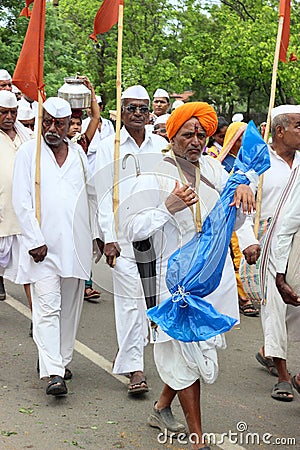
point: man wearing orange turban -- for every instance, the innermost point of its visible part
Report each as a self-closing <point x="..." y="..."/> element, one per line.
<point x="205" y="113"/>
<point x="170" y="206"/>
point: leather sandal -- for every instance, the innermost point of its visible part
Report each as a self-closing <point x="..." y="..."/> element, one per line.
<point x="56" y="386"/>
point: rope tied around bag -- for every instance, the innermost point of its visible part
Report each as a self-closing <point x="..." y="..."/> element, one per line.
<point x="179" y="295"/>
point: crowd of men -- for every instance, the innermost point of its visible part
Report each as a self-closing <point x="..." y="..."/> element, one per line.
<point x="48" y="236"/>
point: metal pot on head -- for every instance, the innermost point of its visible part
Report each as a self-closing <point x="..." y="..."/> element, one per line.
<point x="76" y="93"/>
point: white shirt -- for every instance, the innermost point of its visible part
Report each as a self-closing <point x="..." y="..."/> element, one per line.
<point x="275" y="180"/>
<point x="148" y="154"/>
<point x="65" y="216"/>
<point x="107" y="129"/>
<point x="148" y="216"/>
<point x="290" y="225"/>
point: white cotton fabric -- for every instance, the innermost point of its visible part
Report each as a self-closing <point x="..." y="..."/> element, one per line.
<point x="107" y="129"/>
<point x="57" y="107"/>
<point x="161" y="119"/>
<point x="56" y="308"/>
<point x="146" y="215"/>
<point x="137" y="92"/>
<point x="161" y="93"/>
<point x="129" y="300"/>
<point x="25" y="113"/>
<point x="8" y="99"/>
<point x="180" y="364"/>
<point x="65" y="215"/>
<point x="278" y="320"/>
<point x="9" y="224"/>
<point x="285" y="109"/>
<point x="177" y="103"/>
<point x="4" y="75"/>
<point x="5" y="248"/>
<point x="275" y="180"/>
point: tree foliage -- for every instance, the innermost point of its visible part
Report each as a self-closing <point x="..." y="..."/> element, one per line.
<point x="223" y="51"/>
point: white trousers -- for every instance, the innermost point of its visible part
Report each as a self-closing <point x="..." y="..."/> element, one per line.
<point x="130" y="316"/>
<point x="56" y="309"/>
<point x="279" y="321"/>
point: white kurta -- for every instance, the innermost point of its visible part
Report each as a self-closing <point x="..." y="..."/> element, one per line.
<point x="9" y="226"/>
<point x="180" y="364"/>
<point x="289" y="226"/>
<point x="273" y="312"/>
<point x="107" y="129"/>
<point x="8" y="149"/>
<point x="65" y="215"/>
<point x="129" y="302"/>
<point x="57" y="284"/>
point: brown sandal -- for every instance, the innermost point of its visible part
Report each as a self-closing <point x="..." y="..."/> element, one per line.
<point x="138" y="387"/>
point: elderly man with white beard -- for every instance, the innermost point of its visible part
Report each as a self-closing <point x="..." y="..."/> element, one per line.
<point x="55" y="255"/>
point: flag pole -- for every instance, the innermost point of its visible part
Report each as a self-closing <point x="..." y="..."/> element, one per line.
<point x="118" y="122"/>
<point x="267" y="129"/>
<point x="38" y="160"/>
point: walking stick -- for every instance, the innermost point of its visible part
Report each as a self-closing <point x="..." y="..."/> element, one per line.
<point x="266" y="134"/>
<point x="118" y="124"/>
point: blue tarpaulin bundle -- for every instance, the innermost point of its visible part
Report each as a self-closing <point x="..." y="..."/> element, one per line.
<point x="195" y="270"/>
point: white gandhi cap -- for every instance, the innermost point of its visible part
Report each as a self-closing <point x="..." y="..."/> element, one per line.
<point x="137" y="92"/>
<point x="177" y="103"/>
<point x="161" y="119"/>
<point x="161" y="93"/>
<point x="238" y="117"/>
<point x="8" y="99"/>
<point x="285" y="109"/>
<point x="25" y="114"/>
<point x="57" y="107"/>
<point x="4" y="75"/>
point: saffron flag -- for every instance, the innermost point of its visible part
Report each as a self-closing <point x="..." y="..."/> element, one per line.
<point x="106" y="17"/>
<point x="285" y="12"/>
<point x="26" y="11"/>
<point x="29" y="71"/>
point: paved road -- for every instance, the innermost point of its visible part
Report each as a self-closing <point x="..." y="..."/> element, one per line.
<point x="98" y="414"/>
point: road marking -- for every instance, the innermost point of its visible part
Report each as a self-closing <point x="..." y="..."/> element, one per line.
<point x="81" y="348"/>
<point x="106" y="365"/>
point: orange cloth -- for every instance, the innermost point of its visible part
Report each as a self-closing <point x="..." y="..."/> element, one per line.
<point x="29" y="71"/>
<point x="233" y="132"/>
<point x="106" y="17"/>
<point x="205" y="113"/>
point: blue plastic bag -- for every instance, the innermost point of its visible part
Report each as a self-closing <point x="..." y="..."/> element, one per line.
<point x="195" y="270"/>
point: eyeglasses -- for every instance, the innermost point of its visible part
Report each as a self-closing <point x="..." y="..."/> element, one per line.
<point x="133" y="108"/>
<point x="4" y="112"/>
<point x="57" y="123"/>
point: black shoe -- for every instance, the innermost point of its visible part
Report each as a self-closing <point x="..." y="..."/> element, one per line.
<point x="2" y="290"/>
<point x="30" y="330"/>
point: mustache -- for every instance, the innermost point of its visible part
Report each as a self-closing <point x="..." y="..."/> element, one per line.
<point x="49" y="134"/>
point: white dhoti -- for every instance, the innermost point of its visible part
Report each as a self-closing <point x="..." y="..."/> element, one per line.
<point x="279" y="321"/>
<point x="56" y="308"/>
<point x="5" y="251"/>
<point x="131" y="320"/>
<point x="180" y="364"/>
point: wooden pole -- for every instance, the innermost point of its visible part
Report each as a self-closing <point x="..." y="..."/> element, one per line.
<point x="267" y="130"/>
<point x="38" y="160"/>
<point x="118" y="122"/>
